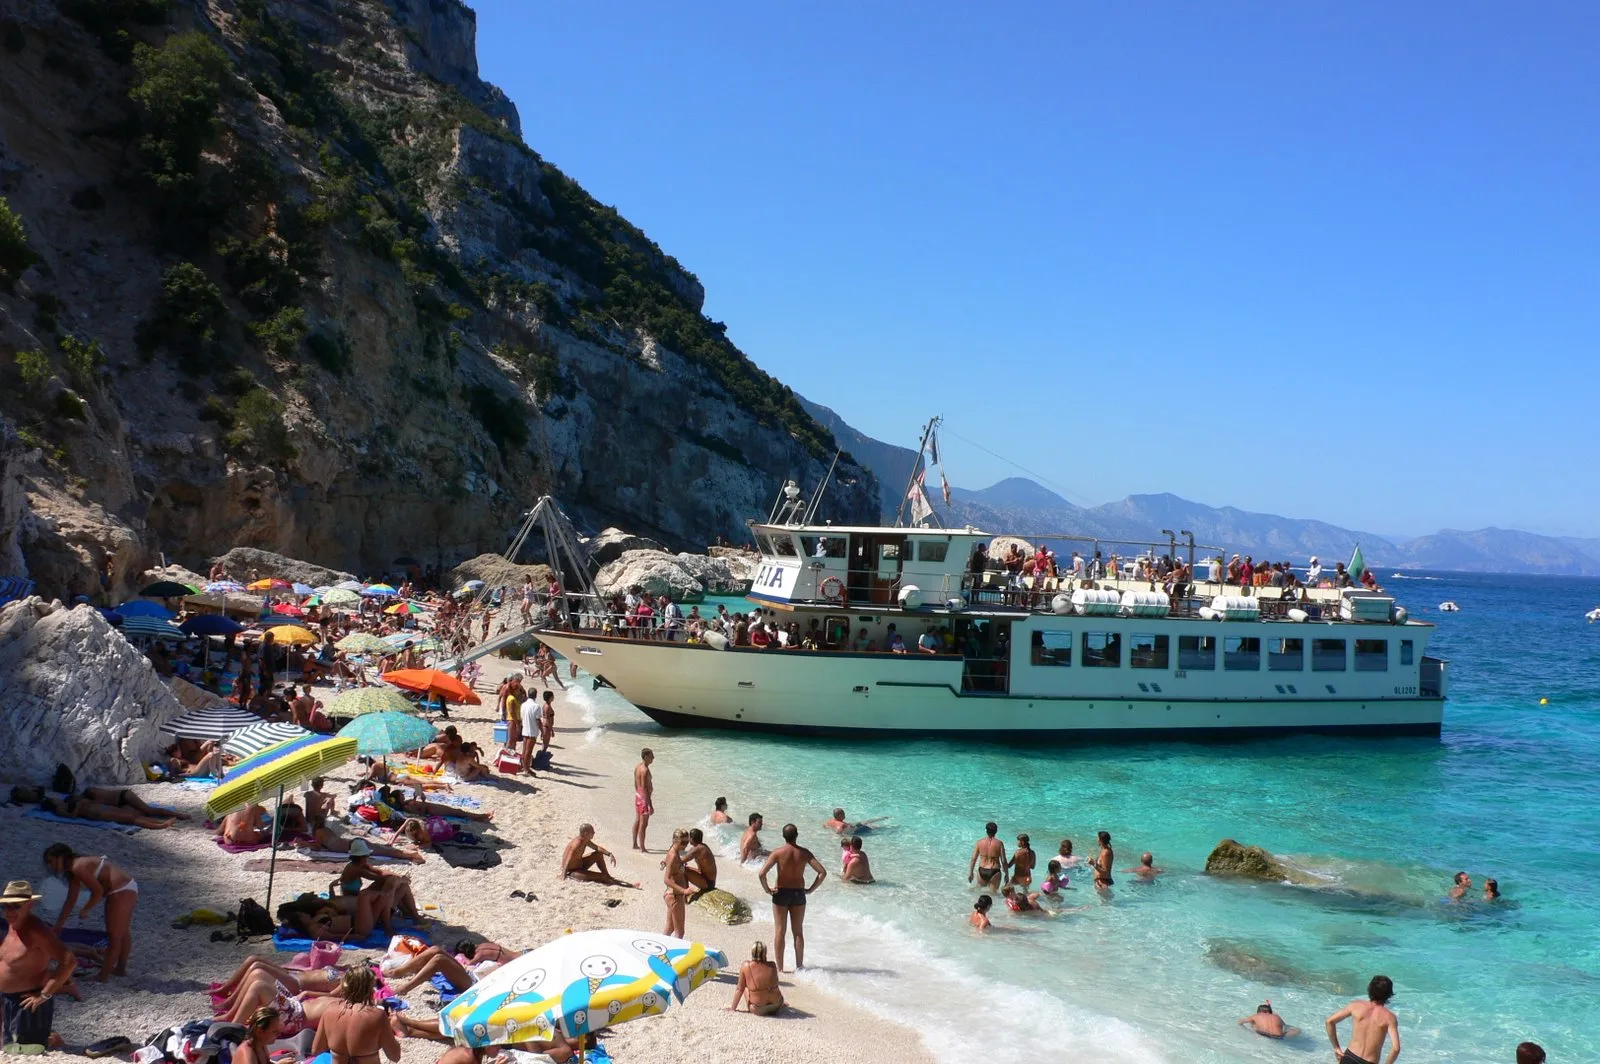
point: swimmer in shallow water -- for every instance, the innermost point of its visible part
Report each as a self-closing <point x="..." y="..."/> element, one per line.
<point x="1491" y="890"/>
<point x="1146" y="869"/>
<point x="840" y="826"/>
<point x="980" y="912"/>
<point x="1268" y="1024"/>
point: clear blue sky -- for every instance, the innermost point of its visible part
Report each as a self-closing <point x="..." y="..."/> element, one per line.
<point x="1334" y="261"/>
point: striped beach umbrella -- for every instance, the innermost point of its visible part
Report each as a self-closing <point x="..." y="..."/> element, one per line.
<point x="283" y="767"/>
<point x="224" y="587"/>
<point x="259" y="736"/>
<point x="360" y="643"/>
<point x="348" y="585"/>
<point x="359" y="701"/>
<point x="579" y="984"/>
<point x="212" y="722"/>
<point x="379" y="591"/>
<point x="149" y="628"/>
<point x="339" y="597"/>
<point x="382" y="734"/>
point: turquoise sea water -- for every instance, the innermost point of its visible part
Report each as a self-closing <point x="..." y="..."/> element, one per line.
<point x="1161" y="972"/>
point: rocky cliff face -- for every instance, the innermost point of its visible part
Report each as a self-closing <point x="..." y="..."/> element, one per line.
<point x="281" y="274"/>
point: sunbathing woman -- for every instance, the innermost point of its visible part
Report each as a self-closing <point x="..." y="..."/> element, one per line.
<point x="296" y="979"/>
<point x="249" y="826"/>
<point x="105" y="882"/>
<point x="469" y="765"/>
<point x="79" y="808"/>
<point x="316" y="918"/>
<point x="269" y="985"/>
<point x="324" y="837"/>
<point x="299" y="1009"/>
<point x="209" y="762"/>
<point x="387" y="892"/>
<point x="422" y="967"/>
<point x="396" y="798"/>
<point x="446" y="746"/>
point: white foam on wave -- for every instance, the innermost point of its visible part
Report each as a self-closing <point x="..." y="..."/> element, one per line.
<point x="890" y="972"/>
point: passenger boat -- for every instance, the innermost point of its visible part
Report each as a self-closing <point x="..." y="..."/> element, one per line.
<point x="1089" y="658"/>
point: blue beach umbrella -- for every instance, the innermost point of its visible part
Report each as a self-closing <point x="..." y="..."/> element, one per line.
<point x="382" y="734"/>
<point x="140" y="608"/>
<point x="113" y="618"/>
<point x="224" y="587"/>
<point x="211" y="624"/>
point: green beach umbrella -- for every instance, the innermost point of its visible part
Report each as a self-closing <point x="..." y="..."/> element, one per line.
<point x="360" y="701"/>
<point x="389" y="732"/>
<point x="360" y="643"/>
<point x="338" y="596"/>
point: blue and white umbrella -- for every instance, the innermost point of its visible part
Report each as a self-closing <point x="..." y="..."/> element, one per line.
<point x="224" y="587"/>
<point x="137" y="627"/>
<point x="213" y="722"/>
<point x="257" y="737"/>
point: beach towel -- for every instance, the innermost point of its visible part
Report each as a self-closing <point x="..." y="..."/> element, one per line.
<point x="467" y="856"/>
<point x="447" y="991"/>
<point x="286" y="941"/>
<point x="106" y="825"/>
<point x="285" y="841"/>
<point x="457" y="801"/>
<point x="198" y="783"/>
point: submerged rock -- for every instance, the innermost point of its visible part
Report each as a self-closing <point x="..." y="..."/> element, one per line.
<point x="1260" y="965"/>
<point x="76" y="694"/>
<point x="724" y="907"/>
<point x="1232" y="858"/>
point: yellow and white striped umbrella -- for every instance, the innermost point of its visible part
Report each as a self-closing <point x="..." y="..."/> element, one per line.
<point x="278" y="768"/>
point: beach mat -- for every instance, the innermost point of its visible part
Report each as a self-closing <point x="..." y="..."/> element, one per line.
<point x="94" y="938"/>
<point x="467" y="856"/>
<point x="106" y="825"/>
<point x="447" y="992"/>
<point x="286" y="941"/>
<point x="458" y="801"/>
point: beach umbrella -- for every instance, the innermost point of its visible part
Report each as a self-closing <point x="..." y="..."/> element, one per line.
<point x="579" y="984"/>
<point x="149" y="628"/>
<point x="388" y="732"/>
<point x="393" y="644"/>
<point x="339" y="596"/>
<point x="278" y="620"/>
<point x="471" y="585"/>
<point x="379" y="591"/>
<point x="403" y="608"/>
<point x="135" y="608"/>
<point x="293" y="635"/>
<point x="359" y="701"/>
<point x="301" y="589"/>
<point x="166" y="589"/>
<point x="348" y="585"/>
<point x="272" y="771"/>
<point x="360" y="643"/>
<point x="113" y="618"/>
<point x="432" y="682"/>
<point x="211" y="722"/>
<point x="259" y="736"/>
<point x="224" y="587"/>
<point x="288" y="609"/>
<point x="211" y="624"/>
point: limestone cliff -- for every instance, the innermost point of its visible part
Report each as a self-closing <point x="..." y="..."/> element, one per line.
<point x="282" y="274"/>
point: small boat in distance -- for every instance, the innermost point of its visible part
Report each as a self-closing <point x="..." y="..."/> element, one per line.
<point x="1593" y="615"/>
<point x="1449" y="606"/>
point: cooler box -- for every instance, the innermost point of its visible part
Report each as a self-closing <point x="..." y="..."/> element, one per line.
<point x="501" y="734"/>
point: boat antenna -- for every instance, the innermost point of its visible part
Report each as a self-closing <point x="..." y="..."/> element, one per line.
<point x="916" y="466"/>
<point x="816" y="496"/>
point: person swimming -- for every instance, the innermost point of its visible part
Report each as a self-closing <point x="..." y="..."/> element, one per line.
<point x="980" y="912"/>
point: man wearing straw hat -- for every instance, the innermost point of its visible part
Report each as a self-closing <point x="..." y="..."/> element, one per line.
<point x="26" y="983"/>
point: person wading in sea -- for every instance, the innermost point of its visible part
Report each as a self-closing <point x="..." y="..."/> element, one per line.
<point x="789" y="897"/>
<point x="988" y="859"/>
<point x="750" y="844"/>
<point x="1102" y="863"/>
<point x="1372" y="1023"/>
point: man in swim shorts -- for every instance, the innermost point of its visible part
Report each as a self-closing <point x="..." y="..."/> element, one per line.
<point x="643" y="792"/>
<point x="1372" y="1022"/>
<point x="988" y="859"/>
<point x="27" y="985"/>
<point x="789" y="897"/>
<point x="585" y="859"/>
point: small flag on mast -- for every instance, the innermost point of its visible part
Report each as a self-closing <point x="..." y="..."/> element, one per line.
<point x="944" y="486"/>
<point x="933" y="448"/>
<point x="1357" y="566"/>
<point x="921" y="508"/>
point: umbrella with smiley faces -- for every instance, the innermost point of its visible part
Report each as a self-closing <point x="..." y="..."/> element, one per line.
<point x="579" y="984"/>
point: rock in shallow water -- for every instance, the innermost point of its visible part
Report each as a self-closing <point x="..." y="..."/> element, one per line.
<point x="725" y="907"/>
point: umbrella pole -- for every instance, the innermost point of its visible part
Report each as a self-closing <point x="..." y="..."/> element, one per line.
<point x="272" y="865"/>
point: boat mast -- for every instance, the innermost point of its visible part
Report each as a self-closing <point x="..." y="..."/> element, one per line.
<point x="816" y="497"/>
<point x="905" y="496"/>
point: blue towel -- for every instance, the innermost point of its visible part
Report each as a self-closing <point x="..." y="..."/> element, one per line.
<point x="286" y="941"/>
<point x="121" y="829"/>
<point x="447" y="991"/>
<point x="460" y="801"/>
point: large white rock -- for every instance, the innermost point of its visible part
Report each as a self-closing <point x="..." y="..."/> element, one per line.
<point x="76" y="693"/>
<point x="725" y="575"/>
<point x="655" y="571"/>
<point x="612" y="543"/>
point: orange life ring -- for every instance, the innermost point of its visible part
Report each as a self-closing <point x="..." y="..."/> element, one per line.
<point x="832" y="589"/>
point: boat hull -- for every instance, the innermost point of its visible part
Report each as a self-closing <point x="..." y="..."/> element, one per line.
<point x="911" y="696"/>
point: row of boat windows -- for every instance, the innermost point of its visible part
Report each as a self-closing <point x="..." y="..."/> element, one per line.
<point x="773" y="545"/>
<point x="1199" y="652"/>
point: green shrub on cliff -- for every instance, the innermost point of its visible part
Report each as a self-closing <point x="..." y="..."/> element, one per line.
<point x="185" y="321"/>
<point x="85" y="360"/>
<point x="178" y="88"/>
<point x="282" y="333"/>
<point x="258" y="427"/>
<point x="15" y="254"/>
<point x="34" y="367"/>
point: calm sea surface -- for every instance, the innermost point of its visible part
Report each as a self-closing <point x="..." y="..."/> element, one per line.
<point x="1160" y="973"/>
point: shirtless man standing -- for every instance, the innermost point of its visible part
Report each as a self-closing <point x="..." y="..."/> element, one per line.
<point x="26" y="983"/>
<point x="1102" y="863"/>
<point x="988" y="859"/>
<point x="355" y="1030"/>
<point x="1373" y="1022"/>
<point x="750" y="845"/>
<point x="585" y="859"/>
<point x="700" y="864"/>
<point x="1146" y="869"/>
<point x="643" y="791"/>
<point x="789" y="897"/>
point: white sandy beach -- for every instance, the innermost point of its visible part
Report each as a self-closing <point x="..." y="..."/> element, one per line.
<point x="181" y="869"/>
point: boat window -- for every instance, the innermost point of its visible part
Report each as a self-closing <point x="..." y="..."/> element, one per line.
<point x="836" y="632"/>
<point x="764" y="543"/>
<point x="932" y="550"/>
<point x="1241" y="653"/>
<point x="1148" y="651"/>
<point x="888" y="551"/>
<point x="1372" y="655"/>
<point x="824" y="546"/>
<point x="1052" y="648"/>
<point x="783" y="545"/>
<point x="1327" y="655"/>
<point x="1197" y="652"/>
<point x="1407" y="652"/>
<point x="1102" y="650"/>
<point x="1286" y="655"/>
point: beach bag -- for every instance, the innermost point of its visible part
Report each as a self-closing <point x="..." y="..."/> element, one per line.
<point x="507" y="760"/>
<point x="253" y="919"/>
<point x="440" y="829"/>
<point x="63" y="782"/>
<point x="541" y="761"/>
<point x="325" y="954"/>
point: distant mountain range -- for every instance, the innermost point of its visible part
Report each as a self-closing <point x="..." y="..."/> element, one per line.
<point x="1020" y="505"/>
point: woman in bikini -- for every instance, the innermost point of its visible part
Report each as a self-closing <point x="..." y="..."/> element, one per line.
<point x="980" y="912"/>
<point x="105" y="882"/>
<point x="249" y="826"/>
<point x="264" y="1028"/>
<point x="434" y="960"/>
<point x="377" y="902"/>
<point x="758" y="983"/>
<point x="78" y="807"/>
<point x="395" y="798"/>
<point x="678" y="889"/>
<point x="317" y="918"/>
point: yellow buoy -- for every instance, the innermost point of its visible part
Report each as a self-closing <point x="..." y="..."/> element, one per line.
<point x="1544" y="701"/>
